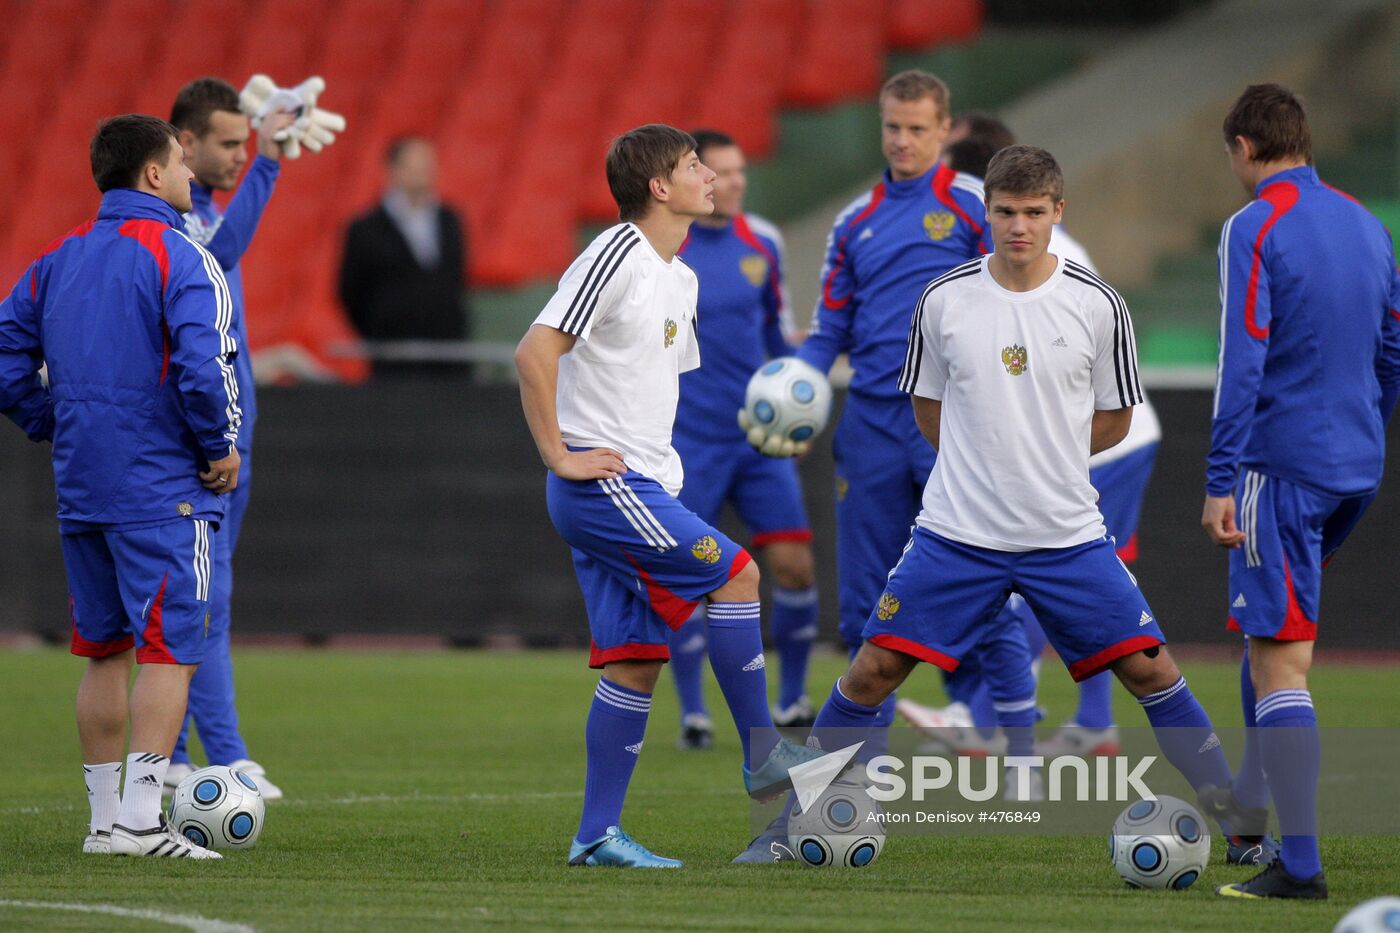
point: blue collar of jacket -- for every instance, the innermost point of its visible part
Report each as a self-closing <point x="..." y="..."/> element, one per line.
<point x="130" y="204"/>
<point x="908" y="187"/>
<point x="1303" y="174"/>
<point x="201" y="196"/>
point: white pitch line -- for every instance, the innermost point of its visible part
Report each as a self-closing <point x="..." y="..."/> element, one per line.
<point x="188" y="921"/>
<point x="356" y="799"/>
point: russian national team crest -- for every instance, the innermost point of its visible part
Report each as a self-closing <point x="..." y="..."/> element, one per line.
<point x="669" y="332"/>
<point x="939" y="224"/>
<point x="887" y="606"/>
<point x="706" y="549"/>
<point x="755" y="269"/>
<point x="185" y="509"/>
<point x="1014" y="359"/>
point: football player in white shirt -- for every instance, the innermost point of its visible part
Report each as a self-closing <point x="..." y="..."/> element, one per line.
<point x="1020" y="366"/>
<point x="599" y="375"/>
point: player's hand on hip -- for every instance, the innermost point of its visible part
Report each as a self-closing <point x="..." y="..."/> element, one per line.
<point x="222" y="475"/>
<point x="598" y="463"/>
<point x="1218" y="519"/>
<point x="274" y="123"/>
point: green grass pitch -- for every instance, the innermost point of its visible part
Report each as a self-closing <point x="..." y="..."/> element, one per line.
<point x="430" y="791"/>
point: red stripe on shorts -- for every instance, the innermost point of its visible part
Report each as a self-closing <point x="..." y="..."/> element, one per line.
<point x="1088" y="667"/>
<point x="915" y="650"/>
<point x="154" y="650"/>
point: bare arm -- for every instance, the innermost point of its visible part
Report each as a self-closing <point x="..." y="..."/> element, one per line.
<point x="1109" y="428"/>
<point x="928" y="413"/>
<point x="537" y="362"/>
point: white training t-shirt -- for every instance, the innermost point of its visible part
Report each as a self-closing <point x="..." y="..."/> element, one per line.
<point x="634" y="316"/>
<point x="1145" y="429"/>
<point x="1020" y="375"/>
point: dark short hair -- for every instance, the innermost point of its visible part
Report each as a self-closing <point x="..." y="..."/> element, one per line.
<point x="1270" y="116"/>
<point x="986" y="136"/>
<point x="916" y="84"/>
<point x="638" y="156"/>
<point x="123" y="146"/>
<point x="710" y="139"/>
<point x="398" y="144"/>
<point x="199" y="100"/>
<point x="1024" y="171"/>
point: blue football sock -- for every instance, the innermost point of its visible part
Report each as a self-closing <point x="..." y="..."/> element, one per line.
<point x="983" y="709"/>
<point x="688" y="664"/>
<point x="853" y="722"/>
<point x="1186" y="736"/>
<point x="1017" y="720"/>
<point x="1292" y="758"/>
<point x="1250" y="787"/>
<point x="1095" y="702"/>
<point x="736" y="656"/>
<point x="794" y="629"/>
<point x="617" y="722"/>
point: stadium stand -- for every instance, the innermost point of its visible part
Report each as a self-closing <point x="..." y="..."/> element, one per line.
<point x="521" y="96"/>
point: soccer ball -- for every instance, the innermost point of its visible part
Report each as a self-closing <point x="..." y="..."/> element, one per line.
<point x="787" y="403"/>
<point x="218" y="808"/>
<point x="836" y="829"/>
<point x="1162" y="843"/>
<point x="1378" y="915"/>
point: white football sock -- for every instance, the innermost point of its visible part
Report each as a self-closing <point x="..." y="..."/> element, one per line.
<point x="145" y="776"/>
<point x="104" y="783"/>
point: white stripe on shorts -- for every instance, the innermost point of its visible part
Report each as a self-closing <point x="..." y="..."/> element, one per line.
<point x="638" y="515"/>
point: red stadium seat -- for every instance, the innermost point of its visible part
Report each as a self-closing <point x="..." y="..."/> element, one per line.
<point x="916" y="24"/>
<point x="840" y="54"/>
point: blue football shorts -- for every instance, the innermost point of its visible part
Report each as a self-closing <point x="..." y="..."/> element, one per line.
<point x="943" y="595"/>
<point x="643" y="561"/>
<point x="1291" y="534"/>
<point x="1121" y="485"/>
<point x="146" y="587"/>
<point x="765" y="491"/>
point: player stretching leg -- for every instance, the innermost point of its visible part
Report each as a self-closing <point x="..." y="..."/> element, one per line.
<point x="599" y="375"/>
<point x="743" y="309"/>
<point x="1020" y="366"/>
<point x="213" y="132"/>
<point x="1297" y="442"/>
<point x="132" y="319"/>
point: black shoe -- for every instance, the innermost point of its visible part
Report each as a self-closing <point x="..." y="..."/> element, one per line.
<point x="1275" y="882"/>
<point x="1251" y="850"/>
<point x="1221" y="805"/>
<point x="697" y="733"/>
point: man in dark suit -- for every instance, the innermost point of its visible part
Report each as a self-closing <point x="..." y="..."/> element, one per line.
<point x="402" y="276"/>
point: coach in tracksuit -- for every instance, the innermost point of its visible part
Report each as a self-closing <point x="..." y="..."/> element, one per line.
<point x="133" y="320"/>
<point x="921" y="220"/>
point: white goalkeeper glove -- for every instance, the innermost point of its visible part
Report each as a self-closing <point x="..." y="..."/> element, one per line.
<point x="770" y="445"/>
<point x="313" y="127"/>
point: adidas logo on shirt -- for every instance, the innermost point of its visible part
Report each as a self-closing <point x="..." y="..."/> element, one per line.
<point x="865" y="234"/>
<point x="1059" y="342"/>
<point x="634" y="749"/>
<point x="1145" y="619"/>
<point x="757" y="664"/>
<point x="1239" y="602"/>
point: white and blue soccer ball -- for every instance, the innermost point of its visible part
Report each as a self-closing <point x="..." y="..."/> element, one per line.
<point x="218" y="808"/>
<point x="786" y="405"/>
<point x="1162" y="843"/>
<point x="1378" y="915"/>
<point x="837" y="829"/>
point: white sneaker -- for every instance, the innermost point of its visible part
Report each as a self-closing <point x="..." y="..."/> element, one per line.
<point x="955" y="715"/>
<point x="258" y="773"/>
<point x="97" y="842"/>
<point x="159" y="842"/>
<point x="174" y="774"/>
<point x="1085" y="743"/>
<point x="799" y="715"/>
